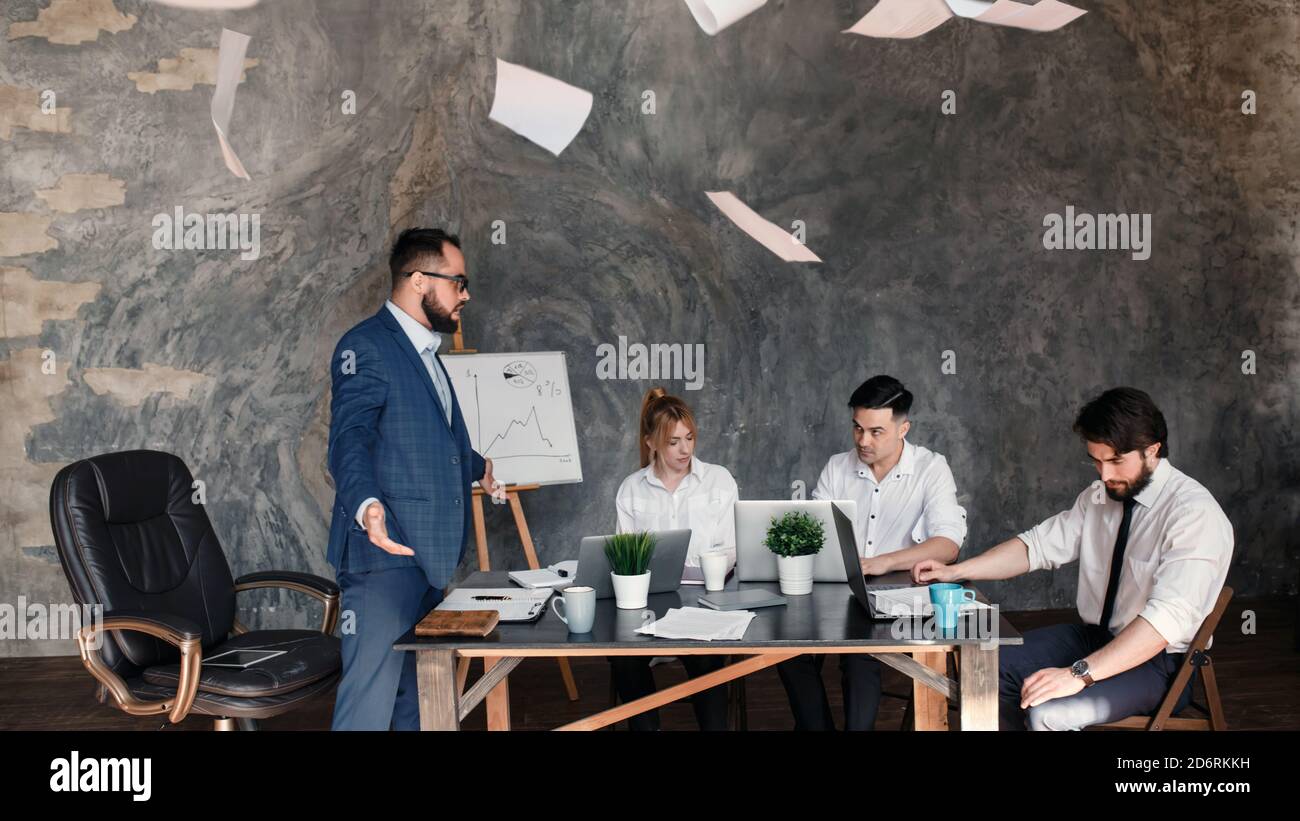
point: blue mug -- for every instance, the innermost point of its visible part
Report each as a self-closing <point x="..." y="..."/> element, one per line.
<point x="947" y="599"/>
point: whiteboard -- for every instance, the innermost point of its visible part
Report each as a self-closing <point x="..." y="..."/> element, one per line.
<point x="519" y="412"/>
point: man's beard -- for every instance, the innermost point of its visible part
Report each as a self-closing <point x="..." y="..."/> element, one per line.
<point x="1138" y="485"/>
<point x="440" y="320"/>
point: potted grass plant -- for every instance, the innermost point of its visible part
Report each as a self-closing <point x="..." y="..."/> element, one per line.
<point x="795" y="538"/>
<point x="629" y="561"/>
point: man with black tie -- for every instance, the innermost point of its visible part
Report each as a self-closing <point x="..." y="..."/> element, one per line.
<point x="1153" y="549"/>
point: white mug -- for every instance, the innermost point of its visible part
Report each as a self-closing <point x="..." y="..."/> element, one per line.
<point x="714" y="564"/>
<point x="579" y="608"/>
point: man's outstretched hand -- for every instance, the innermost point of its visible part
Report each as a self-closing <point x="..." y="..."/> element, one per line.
<point x="378" y="532"/>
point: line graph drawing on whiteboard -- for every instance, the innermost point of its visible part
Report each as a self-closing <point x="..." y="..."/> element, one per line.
<point x="519" y="414"/>
<point x="525" y="439"/>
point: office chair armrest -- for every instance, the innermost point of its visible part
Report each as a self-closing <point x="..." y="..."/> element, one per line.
<point x="184" y="634"/>
<point x="320" y="588"/>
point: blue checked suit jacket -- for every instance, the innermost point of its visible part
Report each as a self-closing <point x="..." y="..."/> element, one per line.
<point x="390" y="439"/>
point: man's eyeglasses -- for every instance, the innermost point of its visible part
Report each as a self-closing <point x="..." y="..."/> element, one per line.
<point x="461" y="280"/>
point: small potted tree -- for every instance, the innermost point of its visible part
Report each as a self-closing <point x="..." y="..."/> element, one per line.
<point x="795" y="538"/>
<point x="629" y="561"/>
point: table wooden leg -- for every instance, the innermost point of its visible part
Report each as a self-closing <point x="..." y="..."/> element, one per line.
<point x="435" y="672"/>
<point x="930" y="708"/>
<point x="498" y="700"/>
<point x="979" y="687"/>
<point x="462" y="674"/>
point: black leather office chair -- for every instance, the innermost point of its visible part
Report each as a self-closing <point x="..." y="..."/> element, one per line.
<point x="132" y="541"/>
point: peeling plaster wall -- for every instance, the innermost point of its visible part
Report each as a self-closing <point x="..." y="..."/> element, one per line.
<point x="931" y="228"/>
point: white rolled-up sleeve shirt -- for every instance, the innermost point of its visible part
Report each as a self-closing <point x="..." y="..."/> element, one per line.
<point x="1175" y="561"/>
<point x="704" y="501"/>
<point x="916" y="501"/>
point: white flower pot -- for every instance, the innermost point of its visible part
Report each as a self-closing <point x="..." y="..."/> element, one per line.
<point x="795" y="574"/>
<point x="630" y="591"/>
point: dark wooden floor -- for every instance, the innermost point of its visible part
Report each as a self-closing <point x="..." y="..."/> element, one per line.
<point x="1259" y="676"/>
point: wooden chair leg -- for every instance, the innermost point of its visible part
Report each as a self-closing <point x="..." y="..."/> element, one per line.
<point x="1212" y="701"/>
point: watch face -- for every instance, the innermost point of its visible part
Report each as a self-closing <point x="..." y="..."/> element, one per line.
<point x="1079" y="668"/>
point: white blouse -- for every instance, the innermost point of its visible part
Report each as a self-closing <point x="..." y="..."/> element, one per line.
<point x="704" y="502"/>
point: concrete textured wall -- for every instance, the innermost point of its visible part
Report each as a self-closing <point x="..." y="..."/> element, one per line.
<point x="930" y="226"/>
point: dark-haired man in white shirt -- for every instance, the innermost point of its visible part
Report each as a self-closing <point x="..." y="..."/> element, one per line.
<point x="1153" y="548"/>
<point x="907" y="512"/>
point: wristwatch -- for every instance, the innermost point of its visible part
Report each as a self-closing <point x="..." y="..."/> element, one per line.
<point x="1080" y="670"/>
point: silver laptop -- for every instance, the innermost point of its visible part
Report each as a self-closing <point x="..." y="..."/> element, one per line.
<point x="666" y="563"/>
<point x="755" y="563"/>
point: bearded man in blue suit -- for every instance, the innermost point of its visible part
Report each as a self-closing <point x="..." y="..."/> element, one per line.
<point x="403" y="472"/>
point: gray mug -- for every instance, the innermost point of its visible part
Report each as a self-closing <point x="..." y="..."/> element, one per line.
<point x="579" y="608"/>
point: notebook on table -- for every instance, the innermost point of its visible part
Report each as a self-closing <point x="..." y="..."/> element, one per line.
<point x="457" y="623"/>
<point x="741" y="599"/>
<point x="512" y="604"/>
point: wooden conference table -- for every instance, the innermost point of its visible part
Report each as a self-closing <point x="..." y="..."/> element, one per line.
<point x="828" y="620"/>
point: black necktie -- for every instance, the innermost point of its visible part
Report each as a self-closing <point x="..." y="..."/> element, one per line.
<point x="1117" y="562"/>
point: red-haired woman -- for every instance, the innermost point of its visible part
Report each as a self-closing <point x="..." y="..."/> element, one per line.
<point x="673" y="490"/>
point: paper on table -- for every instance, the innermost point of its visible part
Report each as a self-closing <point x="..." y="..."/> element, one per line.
<point x="902" y="19"/>
<point x="543" y="109"/>
<point x="771" y="236"/>
<point x="1046" y="15"/>
<point x="910" y="601"/>
<point x="700" y="623"/>
<point x="230" y="65"/>
<point x="715" y="15"/>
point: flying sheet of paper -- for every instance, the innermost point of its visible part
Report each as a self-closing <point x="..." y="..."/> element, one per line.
<point x="208" y="4"/>
<point x="543" y="109"/>
<point x="715" y="15"/>
<point x="770" y="236"/>
<point x="902" y="19"/>
<point x="1046" y="15"/>
<point x="230" y="65"/>
<point x="912" y="18"/>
